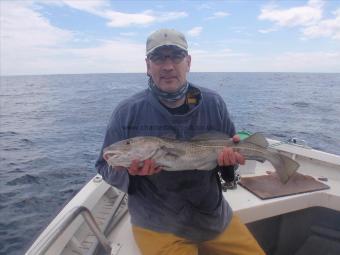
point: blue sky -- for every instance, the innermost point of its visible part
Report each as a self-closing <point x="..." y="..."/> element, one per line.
<point x="74" y="36"/>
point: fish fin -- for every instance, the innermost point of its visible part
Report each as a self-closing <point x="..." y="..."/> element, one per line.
<point x="257" y="139"/>
<point x="286" y="168"/>
<point x="211" y="135"/>
<point x="290" y="165"/>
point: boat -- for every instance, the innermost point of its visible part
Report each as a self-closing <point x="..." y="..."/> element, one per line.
<point x="96" y="220"/>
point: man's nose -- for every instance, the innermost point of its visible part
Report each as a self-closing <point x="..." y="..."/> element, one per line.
<point x="168" y="64"/>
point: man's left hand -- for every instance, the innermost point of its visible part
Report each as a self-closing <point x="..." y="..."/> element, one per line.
<point x="229" y="157"/>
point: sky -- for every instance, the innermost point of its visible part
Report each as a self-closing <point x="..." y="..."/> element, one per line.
<point x="88" y="36"/>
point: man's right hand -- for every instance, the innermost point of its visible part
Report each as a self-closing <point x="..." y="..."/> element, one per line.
<point x="148" y="168"/>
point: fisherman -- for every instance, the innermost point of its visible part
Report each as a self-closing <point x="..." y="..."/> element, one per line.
<point x="179" y="212"/>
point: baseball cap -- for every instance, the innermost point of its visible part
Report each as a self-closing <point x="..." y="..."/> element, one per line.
<point x="165" y="37"/>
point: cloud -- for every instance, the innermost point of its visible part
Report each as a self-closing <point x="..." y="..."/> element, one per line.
<point x="95" y="7"/>
<point x="103" y="9"/>
<point x="308" y="17"/>
<point x="119" y="19"/>
<point x="204" y="6"/>
<point x="217" y="15"/>
<point x="110" y="56"/>
<point x="325" y="28"/>
<point x="296" y="16"/>
<point x="218" y="60"/>
<point x="267" y="31"/>
<point x="30" y="44"/>
<point x="167" y="16"/>
<point x="25" y="36"/>
<point x="196" y="31"/>
<point x="221" y="14"/>
<point x="19" y="20"/>
<point x="321" y="61"/>
<point x="128" y="33"/>
<point x="227" y="60"/>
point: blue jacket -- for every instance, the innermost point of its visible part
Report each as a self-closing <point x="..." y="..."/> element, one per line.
<point x="188" y="203"/>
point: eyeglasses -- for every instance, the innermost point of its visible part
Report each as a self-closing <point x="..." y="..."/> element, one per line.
<point x="176" y="57"/>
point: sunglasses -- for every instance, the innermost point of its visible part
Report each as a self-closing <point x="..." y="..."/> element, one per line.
<point x="176" y="57"/>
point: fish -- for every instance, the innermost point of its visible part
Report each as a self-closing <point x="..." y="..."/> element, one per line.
<point x="199" y="153"/>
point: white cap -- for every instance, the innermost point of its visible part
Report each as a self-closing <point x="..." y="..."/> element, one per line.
<point x="165" y="37"/>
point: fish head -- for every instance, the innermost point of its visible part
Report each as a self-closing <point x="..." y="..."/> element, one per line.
<point x="123" y="152"/>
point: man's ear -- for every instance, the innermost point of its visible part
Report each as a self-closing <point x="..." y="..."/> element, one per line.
<point x="147" y="61"/>
<point x="188" y="59"/>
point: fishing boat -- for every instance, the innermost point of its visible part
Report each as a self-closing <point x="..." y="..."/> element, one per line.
<point x="300" y="218"/>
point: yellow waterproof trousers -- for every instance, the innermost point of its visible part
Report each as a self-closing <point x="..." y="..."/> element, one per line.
<point x="235" y="240"/>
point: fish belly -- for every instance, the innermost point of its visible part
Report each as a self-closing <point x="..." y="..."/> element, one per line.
<point x="193" y="158"/>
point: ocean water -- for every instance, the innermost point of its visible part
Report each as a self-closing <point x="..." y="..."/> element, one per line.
<point x="52" y="127"/>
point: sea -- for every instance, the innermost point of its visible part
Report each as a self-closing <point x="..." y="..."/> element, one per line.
<point x="52" y="128"/>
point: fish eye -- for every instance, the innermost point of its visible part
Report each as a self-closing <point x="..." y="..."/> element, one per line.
<point x="128" y="142"/>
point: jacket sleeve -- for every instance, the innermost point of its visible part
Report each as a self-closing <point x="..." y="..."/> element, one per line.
<point x="118" y="178"/>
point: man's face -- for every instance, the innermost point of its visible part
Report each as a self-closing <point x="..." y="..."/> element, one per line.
<point x="168" y="67"/>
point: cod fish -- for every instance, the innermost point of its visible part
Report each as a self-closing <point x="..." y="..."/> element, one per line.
<point x="199" y="153"/>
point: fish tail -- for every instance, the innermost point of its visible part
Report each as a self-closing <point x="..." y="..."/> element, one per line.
<point x="285" y="167"/>
<point x="290" y="165"/>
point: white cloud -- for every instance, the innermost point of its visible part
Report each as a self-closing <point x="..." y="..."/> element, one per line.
<point x="102" y="9"/>
<point x="26" y="35"/>
<point x="325" y="28"/>
<point x="94" y="7"/>
<point x="221" y="14"/>
<point x="31" y="45"/>
<point x="128" y="33"/>
<point x="322" y="61"/>
<point x="204" y="7"/>
<point x="220" y="53"/>
<point x="218" y="60"/>
<point x="110" y="56"/>
<point x="19" y="20"/>
<point x="166" y="16"/>
<point x="196" y="31"/>
<point x="217" y="15"/>
<point x="296" y="16"/>
<point x="229" y="61"/>
<point x="267" y="31"/>
<point x="119" y="19"/>
<point x="309" y="17"/>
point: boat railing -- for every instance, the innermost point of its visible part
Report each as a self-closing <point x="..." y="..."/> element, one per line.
<point x="62" y="226"/>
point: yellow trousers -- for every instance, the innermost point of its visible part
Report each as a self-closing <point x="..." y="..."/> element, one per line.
<point x="235" y="240"/>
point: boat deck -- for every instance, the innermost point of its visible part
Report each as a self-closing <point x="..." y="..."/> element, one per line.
<point x="101" y="199"/>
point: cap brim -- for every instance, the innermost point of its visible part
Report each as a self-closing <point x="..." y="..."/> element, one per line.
<point x="162" y="45"/>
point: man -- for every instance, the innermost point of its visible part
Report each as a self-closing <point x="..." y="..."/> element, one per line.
<point x="177" y="212"/>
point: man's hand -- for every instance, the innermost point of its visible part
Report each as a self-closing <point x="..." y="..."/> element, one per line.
<point x="148" y="168"/>
<point x="229" y="157"/>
